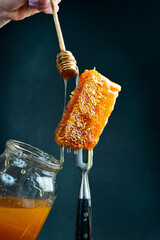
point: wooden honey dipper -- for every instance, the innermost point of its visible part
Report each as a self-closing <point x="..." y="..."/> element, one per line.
<point x="66" y="63"/>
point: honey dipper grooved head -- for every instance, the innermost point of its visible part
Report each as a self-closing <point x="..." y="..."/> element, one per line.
<point x="66" y="64"/>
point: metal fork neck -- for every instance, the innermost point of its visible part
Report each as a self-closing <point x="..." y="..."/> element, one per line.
<point x="84" y="188"/>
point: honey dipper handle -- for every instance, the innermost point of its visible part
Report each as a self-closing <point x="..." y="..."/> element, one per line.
<point x="58" y="27"/>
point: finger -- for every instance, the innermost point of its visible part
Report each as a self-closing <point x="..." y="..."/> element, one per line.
<point x="57" y="1"/>
<point x="44" y="5"/>
<point x="48" y="9"/>
<point x="10" y="5"/>
<point x="33" y="3"/>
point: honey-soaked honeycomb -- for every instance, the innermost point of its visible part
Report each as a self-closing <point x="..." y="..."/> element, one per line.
<point x="87" y="112"/>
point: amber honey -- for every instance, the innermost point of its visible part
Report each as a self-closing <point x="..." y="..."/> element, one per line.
<point x="22" y="218"/>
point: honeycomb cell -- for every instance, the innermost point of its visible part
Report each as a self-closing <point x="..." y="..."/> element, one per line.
<point x="87" y="112"/>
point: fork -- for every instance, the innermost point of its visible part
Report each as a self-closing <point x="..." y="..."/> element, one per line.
<point x="84" y="213"/>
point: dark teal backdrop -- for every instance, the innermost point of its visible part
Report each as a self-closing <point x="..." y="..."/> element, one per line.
<point x="121" y="39"/>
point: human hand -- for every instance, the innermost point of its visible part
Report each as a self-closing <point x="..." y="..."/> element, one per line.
<point x="20" y="9"/>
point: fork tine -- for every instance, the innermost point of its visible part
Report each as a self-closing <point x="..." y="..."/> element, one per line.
<point x="89" y="158"/>
<point x="79" y="160"/>
<point x="79" y="157"/>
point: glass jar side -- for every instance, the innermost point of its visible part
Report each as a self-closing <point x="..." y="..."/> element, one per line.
<point x="23" y="177"/>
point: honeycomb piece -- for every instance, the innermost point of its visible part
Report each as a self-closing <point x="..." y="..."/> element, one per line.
<point x="87" y="112"/>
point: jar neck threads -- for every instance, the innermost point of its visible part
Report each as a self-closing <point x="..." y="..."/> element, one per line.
<point x="34" y="155"/>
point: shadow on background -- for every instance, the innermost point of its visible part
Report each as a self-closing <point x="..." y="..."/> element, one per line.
<point x="121" y="39"/>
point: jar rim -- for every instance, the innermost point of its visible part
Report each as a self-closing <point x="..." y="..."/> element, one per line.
<point x="34" y="154"/>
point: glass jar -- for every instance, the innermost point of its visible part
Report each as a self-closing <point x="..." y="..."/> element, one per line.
<point x="28" y="190"/>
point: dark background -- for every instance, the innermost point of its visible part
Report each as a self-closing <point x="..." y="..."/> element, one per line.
<point x="121" y="39"/>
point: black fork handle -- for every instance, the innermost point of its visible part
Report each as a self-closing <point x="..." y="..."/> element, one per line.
<point x="84" y="220"/>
